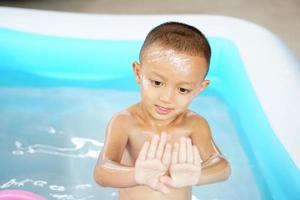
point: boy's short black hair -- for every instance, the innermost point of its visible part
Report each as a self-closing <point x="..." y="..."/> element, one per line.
<point x="180" y="37"/>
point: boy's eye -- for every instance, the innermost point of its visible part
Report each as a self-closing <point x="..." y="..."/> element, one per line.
<point x="184" y="91"/>
<point x="156" y="83"/>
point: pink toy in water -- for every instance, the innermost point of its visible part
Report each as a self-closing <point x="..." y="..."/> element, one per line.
<point x="19" y="195"/>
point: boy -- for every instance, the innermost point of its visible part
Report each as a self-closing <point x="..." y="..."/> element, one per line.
<point x="157" y="148"/>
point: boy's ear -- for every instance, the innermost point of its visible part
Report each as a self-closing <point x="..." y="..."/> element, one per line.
<point x="202" y="86"/>
<point x="137" y="71"/>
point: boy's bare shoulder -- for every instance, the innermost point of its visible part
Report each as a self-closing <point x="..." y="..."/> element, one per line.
<point x="125" y="117"/>
<point x="196" y="121"/>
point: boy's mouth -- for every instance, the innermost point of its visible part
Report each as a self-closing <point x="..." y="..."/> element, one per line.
<point x="162" y="110"/>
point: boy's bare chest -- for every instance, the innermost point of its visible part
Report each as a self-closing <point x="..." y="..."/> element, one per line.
<point x="138" y="135"/>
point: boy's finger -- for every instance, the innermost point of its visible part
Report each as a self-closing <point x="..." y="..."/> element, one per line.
<point x="143" y="151"/>
<point x="166" y="160"/>
<point x="175" y="153"/>
<point x="163" y="188"/>
<point x="153" y="146"/>
<point x="197" y="158"/>
<point x="167" y="180"/>
<point x="161" y="146"/>
<point x="182" y="150"/>
<point x="190" y="154"/>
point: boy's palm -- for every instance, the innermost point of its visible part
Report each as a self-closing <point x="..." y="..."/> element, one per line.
<point x="182" y="175"/>
<point x="149" y="171"/>
<point x="186" y="171"/>
<point x="153" y="162"/>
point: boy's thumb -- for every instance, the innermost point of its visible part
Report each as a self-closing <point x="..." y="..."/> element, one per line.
<point x="166" y="180"/>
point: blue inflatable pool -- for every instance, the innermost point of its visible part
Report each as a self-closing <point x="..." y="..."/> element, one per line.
<point x="57" y="93"/>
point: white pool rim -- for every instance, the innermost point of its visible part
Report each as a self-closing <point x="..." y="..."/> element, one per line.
<point x="272" y="68"/>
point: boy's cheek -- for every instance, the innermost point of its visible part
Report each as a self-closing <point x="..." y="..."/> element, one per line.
<point x="150" y="91"/>
<point x="145" y="84"/>
<point x="193" y="95"/>
<point x="149" y="94"/>
<point x="185" y="100"/>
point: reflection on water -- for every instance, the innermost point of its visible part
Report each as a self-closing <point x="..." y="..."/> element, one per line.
<point x="38" y="183"/>
<point x="83" y="148"/>
<point x="69" y="197"/>
<point x="50" y="139"/>
<point x="56" y="191"/>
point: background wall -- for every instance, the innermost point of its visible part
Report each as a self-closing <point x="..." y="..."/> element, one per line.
<point x="280" y="17"/>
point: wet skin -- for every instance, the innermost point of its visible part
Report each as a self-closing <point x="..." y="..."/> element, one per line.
<point x="154" y="149"/>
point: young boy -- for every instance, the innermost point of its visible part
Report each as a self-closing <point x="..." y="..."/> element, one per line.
<point x="157" y="148"/>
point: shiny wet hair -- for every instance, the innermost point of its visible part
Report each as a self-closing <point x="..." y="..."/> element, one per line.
<point x="181" y="37"/>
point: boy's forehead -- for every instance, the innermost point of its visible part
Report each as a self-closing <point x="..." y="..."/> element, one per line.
<point x="158" y="59"/>
<point x="167" y="72"/>
<point x="156" y="52"/>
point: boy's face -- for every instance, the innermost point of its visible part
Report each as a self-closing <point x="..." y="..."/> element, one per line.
<point x="169" y="81"/>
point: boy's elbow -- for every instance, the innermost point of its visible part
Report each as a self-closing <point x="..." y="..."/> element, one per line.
<point x="100" y="176"/>
<point x="226" y="170"/>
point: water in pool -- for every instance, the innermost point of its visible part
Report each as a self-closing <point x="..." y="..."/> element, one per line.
<point x="50" y="139"/>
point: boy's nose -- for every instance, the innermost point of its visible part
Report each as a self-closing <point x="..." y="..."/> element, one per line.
<point x="167" y="96"/>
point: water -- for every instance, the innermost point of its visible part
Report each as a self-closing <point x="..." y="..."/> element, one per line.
<point x="50" y="139"/>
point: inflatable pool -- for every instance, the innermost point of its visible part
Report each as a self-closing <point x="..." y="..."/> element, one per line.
<point x="63" y="75"/>
<point x="18" y="195"/>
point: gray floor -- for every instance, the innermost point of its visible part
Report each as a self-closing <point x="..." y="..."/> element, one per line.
<point x="282" y="17"/>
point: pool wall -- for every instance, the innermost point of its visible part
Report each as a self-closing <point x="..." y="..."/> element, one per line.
<point x="44" y="60"/>
<point x="272" y="68"/>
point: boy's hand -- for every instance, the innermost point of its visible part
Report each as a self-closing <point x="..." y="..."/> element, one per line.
<point x="185" y="169"/>
<point x="153" y="162"/>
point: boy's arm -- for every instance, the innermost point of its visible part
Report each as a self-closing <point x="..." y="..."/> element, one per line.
<point x="108" y="173"/>
<point x="152" y="161"/>
<point x="214" y="166"/>
<point x="108" y="170"/>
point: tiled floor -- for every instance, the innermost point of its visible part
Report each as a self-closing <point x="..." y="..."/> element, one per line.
<point x="280" y="17"/>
